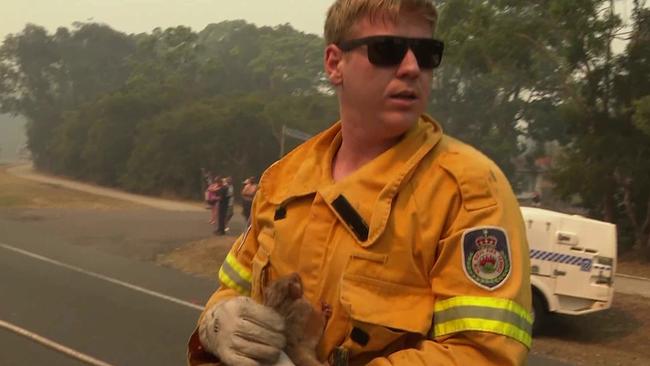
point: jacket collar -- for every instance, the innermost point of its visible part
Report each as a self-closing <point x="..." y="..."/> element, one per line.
<point x="371" y="189"/>
<point x="303" y="172"/>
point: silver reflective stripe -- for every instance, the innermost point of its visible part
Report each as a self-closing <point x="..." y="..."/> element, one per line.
<point x="235" y="277"/>
<point x="479" y="312"/>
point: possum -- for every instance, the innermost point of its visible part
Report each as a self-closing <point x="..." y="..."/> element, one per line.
<point x="304" y="323"/>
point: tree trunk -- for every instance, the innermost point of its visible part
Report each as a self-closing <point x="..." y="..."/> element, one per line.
<point x="626" y="184"/>
<point x="646" y="224"/>
<point x="608" y="208"/>
<point x="645" y="232"/>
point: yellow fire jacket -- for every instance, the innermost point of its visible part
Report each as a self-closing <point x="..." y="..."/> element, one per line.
<point x="421" y="253"/>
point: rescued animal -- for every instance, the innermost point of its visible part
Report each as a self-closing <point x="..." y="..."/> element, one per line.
<point x="304" y="323"/>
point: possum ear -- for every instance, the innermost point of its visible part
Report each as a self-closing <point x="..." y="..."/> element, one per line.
<point x="274" y="294"/>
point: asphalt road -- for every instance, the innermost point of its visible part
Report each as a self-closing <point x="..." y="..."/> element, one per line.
<point x="116" y="309"/>
<point x="16" y="350"/>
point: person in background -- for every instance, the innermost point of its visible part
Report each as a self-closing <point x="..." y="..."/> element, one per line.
<point x="206" y="180"/>
<point x="212" y="198"/>
<point x="414" y="239"/>
<point x="222" y="208"/>
<point x="247" y="195"/>
<point x="230" y="196"/>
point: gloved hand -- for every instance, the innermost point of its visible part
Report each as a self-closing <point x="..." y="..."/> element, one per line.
<point x="242" y="332"/>
<point x="284" y="360"/>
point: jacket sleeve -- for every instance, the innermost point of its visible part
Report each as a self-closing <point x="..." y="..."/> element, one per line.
<point x="235" y="280"/>
<point x="480" y="280"/>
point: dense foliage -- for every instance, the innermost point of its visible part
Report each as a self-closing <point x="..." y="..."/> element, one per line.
<point x="146" y="112"/>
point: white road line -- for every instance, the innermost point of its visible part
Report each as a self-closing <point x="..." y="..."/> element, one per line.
<point x="101" y="277"/>
<point x="53" y="345"/>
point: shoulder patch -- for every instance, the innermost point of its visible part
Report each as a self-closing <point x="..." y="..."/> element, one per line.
<point x="486" y="256"/>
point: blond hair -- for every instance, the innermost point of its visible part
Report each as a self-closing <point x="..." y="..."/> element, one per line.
<point x="343" y="14"/>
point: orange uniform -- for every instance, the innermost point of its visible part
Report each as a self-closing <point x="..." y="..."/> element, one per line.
<point x="421" y="253"/>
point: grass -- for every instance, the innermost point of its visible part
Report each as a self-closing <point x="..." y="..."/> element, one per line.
<point x="202" y="258"/>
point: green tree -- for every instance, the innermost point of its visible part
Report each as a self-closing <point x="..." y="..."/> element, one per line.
<point x="29" y="67"/>
<point x="241" y="58"/>
<point x="606" y="160"/>
<point x="227" y="135"/>
<point x="495" y="82"/>
<point x="44" y="76"/>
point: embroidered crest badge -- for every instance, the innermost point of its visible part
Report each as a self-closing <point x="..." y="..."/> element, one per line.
<point x="486" y="256"/>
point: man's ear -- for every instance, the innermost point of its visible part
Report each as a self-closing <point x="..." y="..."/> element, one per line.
<point x="333" y="63"/>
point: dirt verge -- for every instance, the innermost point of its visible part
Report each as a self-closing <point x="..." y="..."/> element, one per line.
<point x="631" y="265"/>
<point x="201" y="258"/>
<point x="21" y="193"/>
<point x="618" y="336"/>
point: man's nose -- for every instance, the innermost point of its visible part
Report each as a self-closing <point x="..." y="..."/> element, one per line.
<point x="409" y="66"/>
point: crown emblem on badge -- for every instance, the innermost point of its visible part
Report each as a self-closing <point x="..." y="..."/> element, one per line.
<point x="486" y="241"/>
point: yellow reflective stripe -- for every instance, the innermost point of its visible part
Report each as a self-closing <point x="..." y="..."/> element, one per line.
<point x="235" y="276"/>
<point x="230" y="283"/>
<point x="473" y="313"/>
<point x="242" y="271"/>
<point x="478" y="312"/>
<point x="483" y="325"/>
<point x="488" y="302"/>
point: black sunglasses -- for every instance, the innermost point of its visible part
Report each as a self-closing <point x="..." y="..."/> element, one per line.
<point x="390" y="50"/>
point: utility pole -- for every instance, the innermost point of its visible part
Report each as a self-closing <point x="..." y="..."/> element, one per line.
<point x="608" y="60"/>
<point x="282" y="142"/>
<point x="291" y="132"/>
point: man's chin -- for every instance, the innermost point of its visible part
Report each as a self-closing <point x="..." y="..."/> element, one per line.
<point x="397" y="124"/>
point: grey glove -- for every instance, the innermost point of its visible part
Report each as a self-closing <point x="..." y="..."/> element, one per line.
<point x="284" y="360"/>
<point x="242" y="332"/>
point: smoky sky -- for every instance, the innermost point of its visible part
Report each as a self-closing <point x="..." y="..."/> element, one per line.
<point x="135" y="16"/>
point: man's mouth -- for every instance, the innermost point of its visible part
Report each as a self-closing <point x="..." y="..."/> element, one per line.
<point x="405" y="95"/>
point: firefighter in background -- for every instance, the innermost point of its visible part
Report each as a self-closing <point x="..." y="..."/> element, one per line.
<point x="413" y="238"/>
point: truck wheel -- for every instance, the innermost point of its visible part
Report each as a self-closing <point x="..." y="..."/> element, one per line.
<point x="539" y="313"/>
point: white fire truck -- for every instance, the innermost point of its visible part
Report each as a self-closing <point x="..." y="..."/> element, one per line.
<point x="573" y="262"/>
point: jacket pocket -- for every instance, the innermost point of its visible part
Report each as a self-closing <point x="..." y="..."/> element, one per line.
<point x="382" y="311"/>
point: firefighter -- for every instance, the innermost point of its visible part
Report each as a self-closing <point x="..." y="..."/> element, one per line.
<point x="413" y="238"/>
